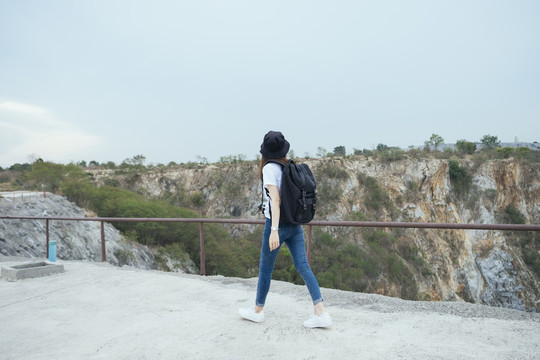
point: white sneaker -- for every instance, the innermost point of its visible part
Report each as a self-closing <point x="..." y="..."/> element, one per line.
<point x="315" y="321"/>
<point x="250" y="314"/>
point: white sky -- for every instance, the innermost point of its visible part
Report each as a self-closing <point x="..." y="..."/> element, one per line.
<point x="176" y="80"/>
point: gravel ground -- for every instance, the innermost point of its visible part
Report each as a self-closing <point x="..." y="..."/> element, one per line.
<point x="98" y="311"/>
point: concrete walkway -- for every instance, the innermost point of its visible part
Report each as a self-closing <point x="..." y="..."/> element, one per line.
<point x="97" y="311"/>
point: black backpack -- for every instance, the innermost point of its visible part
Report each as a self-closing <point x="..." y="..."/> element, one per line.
<point x="298" y="193"/>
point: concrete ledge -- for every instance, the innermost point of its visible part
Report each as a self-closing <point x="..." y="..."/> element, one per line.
<point x="31" y="270"/>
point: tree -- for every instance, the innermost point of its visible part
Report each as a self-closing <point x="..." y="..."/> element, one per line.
<point x="367" y="152"/>
<point x="32" y="158"/>
<point x="136" y="162"/>
<point x="202" y="159"/>
<point x="339" y="151"/>
<point x="434" y="141"/>
<point x="321" y="152"/>
<point x="465" y="147"/>
<point x="490" y="142"/>
<point x="110" y="165"/>
<point x="50" y="176"/>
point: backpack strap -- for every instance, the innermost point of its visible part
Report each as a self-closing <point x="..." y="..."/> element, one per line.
<point x="263" y="190"/>
<point x="261" y="206"/>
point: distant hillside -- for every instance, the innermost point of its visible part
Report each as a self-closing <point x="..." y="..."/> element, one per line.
<point x="501" y="185"/>
<point x="488" y="267"/>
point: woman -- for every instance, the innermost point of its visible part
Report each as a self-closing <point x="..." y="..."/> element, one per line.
<point x="275" y="148"/>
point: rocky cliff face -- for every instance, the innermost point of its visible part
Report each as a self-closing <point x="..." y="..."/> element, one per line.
<point x="477" y="266"/>
<point x="76" y="240"/>
<point x="485" y="267"/>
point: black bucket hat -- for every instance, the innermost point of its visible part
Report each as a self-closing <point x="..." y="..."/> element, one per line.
<point x="274" y="145"/>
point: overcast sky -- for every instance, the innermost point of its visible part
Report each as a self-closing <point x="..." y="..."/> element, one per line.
<point x="181" y="80"/>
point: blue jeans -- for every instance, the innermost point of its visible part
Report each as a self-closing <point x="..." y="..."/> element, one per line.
<point x="293" y="236"/>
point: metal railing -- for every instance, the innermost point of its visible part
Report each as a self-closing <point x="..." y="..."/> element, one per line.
<point x="309" y="226"/>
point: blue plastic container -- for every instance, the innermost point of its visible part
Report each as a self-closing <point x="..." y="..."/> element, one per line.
<point x="52" y="251"/>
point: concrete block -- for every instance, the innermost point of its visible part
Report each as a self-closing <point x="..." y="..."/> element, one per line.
<point x="31" y="270"/>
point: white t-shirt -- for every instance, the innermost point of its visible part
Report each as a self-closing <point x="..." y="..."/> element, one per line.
<point x="271" y="176"/>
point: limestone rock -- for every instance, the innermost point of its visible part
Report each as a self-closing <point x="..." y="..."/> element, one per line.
<point x="76" y="240"/>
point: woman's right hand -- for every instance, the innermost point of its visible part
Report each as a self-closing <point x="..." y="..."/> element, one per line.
<point x="274" y="240"/>
<point x="275" y="211"/>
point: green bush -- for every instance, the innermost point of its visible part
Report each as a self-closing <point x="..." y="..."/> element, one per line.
<point x="197" y="199"/>
<point x="460" y="178"/>
<point x="413" y="190"/>
<point x="367" y="153"/>
<point x="522" y="152"/>
<point x="125" y="257"/>
<point x="513" y="215"/>
<point x="111" y="182"/>
<point x="445" y="154"/>
<point x="49" y="176"/>
<point x="224" y="255"/>
<point x="388" y="154"/>
<point x="465" y="147"/>
<point x="396" y="268"/>
<point x="530" y="257"/>
<point x="329" y="175"/>
<point x="384" y="239"/>
<point x="342" y="264"/>
<point x="233" y="159"/>
<point x="356" y="216"/>
<point x="21" y="167"/>
<point x="327" y="197"/>
<point x="505" y="152"/>
<point x="375" y="197"/>
<point x="330" y="170"/>
<point x="340" y="151"/>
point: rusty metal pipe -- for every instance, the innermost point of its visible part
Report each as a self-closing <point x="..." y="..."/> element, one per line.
<point x="103" y="249"/>
<point x="47" y="235"/>
<point x="202" y="221"/>
<point x="203" y="257"/>
<point x="380" y="224"/>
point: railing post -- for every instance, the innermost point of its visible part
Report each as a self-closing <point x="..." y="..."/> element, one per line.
<point x="309" y="245"/>
<point x="103" y="252"/>
<point x="201" y="236"/>
<point x="47" y="235"/>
